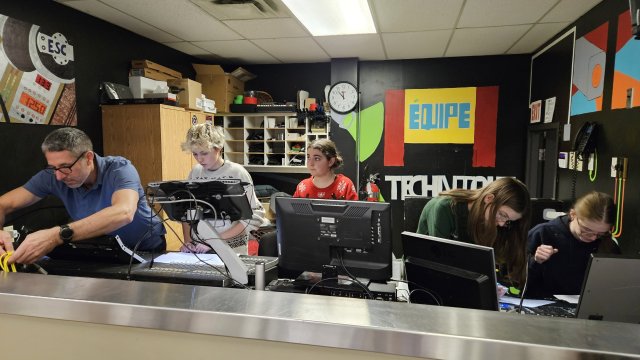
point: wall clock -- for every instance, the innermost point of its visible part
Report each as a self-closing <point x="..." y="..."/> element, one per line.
<point x="343" y="97"/>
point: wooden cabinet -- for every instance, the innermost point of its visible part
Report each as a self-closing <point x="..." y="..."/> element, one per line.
<point x="150" y="137"/>
<point x="269" y="142"/>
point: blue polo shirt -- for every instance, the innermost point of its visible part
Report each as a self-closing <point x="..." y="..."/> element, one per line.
<point x="114" y="173"/>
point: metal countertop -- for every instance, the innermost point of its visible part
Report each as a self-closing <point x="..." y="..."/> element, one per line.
<point x="378" y="326"/>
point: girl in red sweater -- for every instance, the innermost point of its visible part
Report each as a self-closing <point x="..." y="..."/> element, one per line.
<point x="322" y="160"/>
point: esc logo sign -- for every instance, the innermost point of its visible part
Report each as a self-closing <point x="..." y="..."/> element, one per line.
<point x="57" y="46"/>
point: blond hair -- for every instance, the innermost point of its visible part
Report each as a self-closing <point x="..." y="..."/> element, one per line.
<point x="204" y="136"/>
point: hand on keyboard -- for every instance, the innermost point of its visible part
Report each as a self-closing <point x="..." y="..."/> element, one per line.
<point x="196" y="248"/>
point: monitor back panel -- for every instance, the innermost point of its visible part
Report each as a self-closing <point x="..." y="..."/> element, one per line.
<point x="611" y="290"/>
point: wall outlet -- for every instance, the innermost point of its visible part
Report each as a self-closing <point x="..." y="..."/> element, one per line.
<point x="579" y="164"/>
<point x="566" y="132"/>
<point x="572" y="160"/>
<point x="563" y="157"/>
<point x="614" y="167"/>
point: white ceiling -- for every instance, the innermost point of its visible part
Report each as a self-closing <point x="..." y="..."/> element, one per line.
<point x="406" y="29"/>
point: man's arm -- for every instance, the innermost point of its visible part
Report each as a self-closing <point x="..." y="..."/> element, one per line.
<point x="10" y="202"/>
<point x="124" y="203"/>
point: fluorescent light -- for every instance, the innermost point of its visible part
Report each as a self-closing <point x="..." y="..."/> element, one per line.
<point x="333" y="17"/>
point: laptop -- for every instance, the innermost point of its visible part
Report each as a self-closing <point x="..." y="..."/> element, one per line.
<point x="611" y="289"/>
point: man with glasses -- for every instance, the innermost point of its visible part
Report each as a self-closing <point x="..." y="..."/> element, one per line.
<point x="103" y="195"/>
<point x="560" y="249"/>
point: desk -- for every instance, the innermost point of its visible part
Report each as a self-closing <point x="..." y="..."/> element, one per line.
<point x="107" y="318"/>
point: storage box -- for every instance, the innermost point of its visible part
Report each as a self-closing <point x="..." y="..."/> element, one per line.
<point x="141" y="85"/>
<point x="188" y="97"/>
<point x="151" y="74"/>
<point x="220" y="86"/>
<point x="207" y="105"/>
<point x="146" y="64"/>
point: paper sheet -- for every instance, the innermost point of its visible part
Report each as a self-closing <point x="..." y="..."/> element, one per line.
<point x="571" y="299"/>
<point x="189" y="259"/>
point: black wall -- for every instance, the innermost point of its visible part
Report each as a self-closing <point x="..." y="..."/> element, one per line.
<point x="618" y="133"/>
<point x="103" y="53"/>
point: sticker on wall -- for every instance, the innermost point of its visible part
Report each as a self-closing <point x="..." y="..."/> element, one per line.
<point x="536" y="111"/>
<point x="549" y="107"/>
<point x="589" y="62"/>
<point x="626" y="73"/>
<point x="37" y="81"/>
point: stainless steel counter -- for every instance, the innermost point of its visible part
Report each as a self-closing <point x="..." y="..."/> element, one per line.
<point x="375" y="326"/>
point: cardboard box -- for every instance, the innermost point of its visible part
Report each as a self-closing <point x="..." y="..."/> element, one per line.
<point x="146" y="64"/>
<point x="151" y="74"/>
<point x="218" y="85"/>
<point x="141" y="85"/>
<point x="188" y="97"/>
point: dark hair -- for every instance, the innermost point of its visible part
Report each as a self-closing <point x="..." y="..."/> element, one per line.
<point x="68" y="138"/>
<point x="329" y="150"/>
<point x="509" y="244"/>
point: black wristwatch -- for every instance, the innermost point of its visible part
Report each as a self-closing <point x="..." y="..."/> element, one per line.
<point x="66" y="233"/>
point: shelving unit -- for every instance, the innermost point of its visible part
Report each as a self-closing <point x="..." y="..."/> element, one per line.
<point x="269" y="142"/>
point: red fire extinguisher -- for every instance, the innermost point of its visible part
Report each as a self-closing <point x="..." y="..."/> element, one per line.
<point x="372" y="189"/>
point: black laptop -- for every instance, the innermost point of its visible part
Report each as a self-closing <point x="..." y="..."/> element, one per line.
<point x="611" y="289"/>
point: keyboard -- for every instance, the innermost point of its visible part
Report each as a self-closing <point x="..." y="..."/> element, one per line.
<point x="198" y="274"/>
<point x="275" y="108"/>
<point x="106" y="249"/>
<point x="554" y="310"/>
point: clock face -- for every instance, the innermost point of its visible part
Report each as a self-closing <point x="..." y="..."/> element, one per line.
<point x="343" y="97"/>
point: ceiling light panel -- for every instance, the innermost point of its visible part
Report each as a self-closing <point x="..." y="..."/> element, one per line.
<point x="333" y="17"/>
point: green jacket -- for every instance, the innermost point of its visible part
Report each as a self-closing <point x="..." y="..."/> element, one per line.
<point x="442" y="219"/>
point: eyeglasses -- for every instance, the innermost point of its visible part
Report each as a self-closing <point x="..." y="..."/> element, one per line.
<point x="66" y="170"/>
<point x="585" y="231"/>
<point x="501" y="216"/>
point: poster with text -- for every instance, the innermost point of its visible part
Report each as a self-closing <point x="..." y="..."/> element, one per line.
<point x="37" y="81"/>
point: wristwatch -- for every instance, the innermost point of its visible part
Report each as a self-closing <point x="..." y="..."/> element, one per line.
<point x="66" y="233"/>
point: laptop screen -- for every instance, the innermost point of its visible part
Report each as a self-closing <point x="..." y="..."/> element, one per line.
<point x="611" y="289"/>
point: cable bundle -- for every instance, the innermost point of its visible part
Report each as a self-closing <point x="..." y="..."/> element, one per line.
<point x="4" y="262"/>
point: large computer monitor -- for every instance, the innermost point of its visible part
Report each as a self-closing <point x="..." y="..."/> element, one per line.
<point x="353" y="236"/>
<point x="449" y="273"/>
<point x="211" y="199"/>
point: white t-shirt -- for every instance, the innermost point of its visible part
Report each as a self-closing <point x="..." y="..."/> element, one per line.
<point x="230" y="170"/>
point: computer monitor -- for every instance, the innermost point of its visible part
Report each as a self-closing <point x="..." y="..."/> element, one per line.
<point x="210" y="199"/>
<point x="449" y="273"/>
<point x="611" y="289"/>
<point x="352" y="236"/>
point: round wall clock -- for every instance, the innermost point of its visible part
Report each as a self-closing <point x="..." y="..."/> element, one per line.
<point x="343" y="97"/>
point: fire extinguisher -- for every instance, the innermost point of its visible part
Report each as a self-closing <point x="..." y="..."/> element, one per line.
<point x="372" y="189"/>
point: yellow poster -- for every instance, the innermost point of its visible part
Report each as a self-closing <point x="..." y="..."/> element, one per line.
<point x="440" y="116"/>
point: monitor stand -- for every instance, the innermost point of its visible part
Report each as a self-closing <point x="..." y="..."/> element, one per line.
<point x="230" y="258"/>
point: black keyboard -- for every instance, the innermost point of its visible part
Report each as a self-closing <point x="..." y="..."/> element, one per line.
<point x="106" y="249"/>
<point x="554" y="310"/>
<point x="275" y="108"/>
